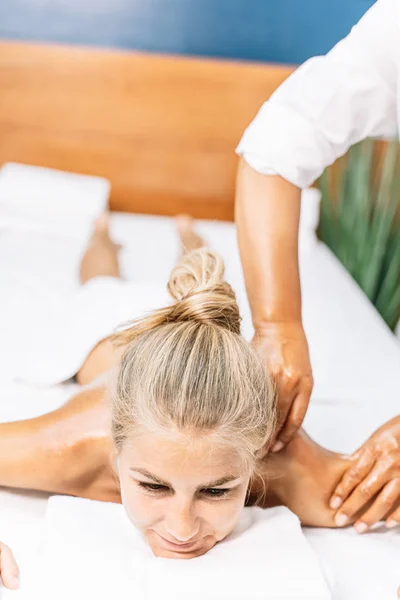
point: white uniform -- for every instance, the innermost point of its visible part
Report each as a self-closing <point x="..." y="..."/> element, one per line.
<point x="331" y="102"/>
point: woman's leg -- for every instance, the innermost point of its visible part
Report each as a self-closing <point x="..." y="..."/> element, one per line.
<point x="101" y="259"/>
<point x="101" y="255"/>
<point x="189" y="239"/>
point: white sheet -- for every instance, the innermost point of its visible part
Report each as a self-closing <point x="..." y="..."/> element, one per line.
<point x="92" y="538"/>
<point x="354" y="355"/>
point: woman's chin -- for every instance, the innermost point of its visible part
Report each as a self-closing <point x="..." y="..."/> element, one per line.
<point x="195" y="552"/>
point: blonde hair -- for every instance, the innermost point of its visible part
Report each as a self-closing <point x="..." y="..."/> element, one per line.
<point x="185" y="367"/>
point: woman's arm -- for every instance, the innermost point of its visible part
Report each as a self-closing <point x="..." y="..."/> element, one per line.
<point x="67" y="451"/>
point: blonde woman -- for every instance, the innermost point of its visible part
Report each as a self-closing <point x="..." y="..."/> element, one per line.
<point x="182" y="437"/>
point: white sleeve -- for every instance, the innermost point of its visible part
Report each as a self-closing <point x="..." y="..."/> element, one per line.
<point x="331" y="102"/>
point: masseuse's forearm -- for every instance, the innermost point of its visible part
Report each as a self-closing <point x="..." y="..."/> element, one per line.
<point x="267" y="217"/>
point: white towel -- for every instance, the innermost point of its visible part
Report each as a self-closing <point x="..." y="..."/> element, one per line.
<point x="57" y="348"/>
<point x="46" y="200"/>
<point x="91" y="550"/>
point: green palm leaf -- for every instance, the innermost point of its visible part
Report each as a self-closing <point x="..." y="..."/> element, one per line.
<point x="359" y="223"/>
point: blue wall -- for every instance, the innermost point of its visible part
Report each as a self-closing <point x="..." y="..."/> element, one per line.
<point x="285" y="31"/>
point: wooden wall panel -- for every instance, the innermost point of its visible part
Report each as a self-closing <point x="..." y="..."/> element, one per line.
<point x="162" y="129"/>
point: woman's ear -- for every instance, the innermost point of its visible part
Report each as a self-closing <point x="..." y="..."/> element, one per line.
<point x="255" y="490"/>
<point x="262" y="452"/>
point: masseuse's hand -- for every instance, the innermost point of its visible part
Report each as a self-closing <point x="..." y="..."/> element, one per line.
<point x="371" y="486"/>
<point x="8" y="568"/>
<point x="284" y="346"/>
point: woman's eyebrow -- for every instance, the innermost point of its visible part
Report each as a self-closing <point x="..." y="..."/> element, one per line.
<point x="211" y="484"/>
<point x="222" y="481"/>
<point x="149" y="475"/>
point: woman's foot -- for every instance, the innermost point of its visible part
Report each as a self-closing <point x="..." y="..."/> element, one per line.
<point x="101" y="256"/>
<point x="189" y="239"/>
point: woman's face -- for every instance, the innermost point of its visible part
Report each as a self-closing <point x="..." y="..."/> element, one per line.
<point x="184" y="494"/>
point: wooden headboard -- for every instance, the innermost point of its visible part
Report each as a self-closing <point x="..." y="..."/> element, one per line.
<point x="162" y="129"/>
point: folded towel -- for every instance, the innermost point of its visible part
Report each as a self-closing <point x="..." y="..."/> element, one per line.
<point x="47" y="200"/>
<point x="91" y="550"/>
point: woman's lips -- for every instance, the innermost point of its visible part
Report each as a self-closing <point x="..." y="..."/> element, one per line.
<point x="187" y="546"/>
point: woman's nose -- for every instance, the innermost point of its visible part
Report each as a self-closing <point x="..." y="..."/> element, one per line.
<point x="181" y="522"/>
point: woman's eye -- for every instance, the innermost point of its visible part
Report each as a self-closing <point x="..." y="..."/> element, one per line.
<point x="216" y="492"/>
<point x="153" y="487"/>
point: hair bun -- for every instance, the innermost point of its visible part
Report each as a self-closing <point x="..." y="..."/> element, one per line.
<point x="197" y="284"/>
<point x="201" y="295"/>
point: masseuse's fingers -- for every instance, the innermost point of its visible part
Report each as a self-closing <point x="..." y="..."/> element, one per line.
<point x="393" y="520"/>
<point x="9" y="571"/>
<point x="385" y="502"/>
<point x="286" y="396"/>
<point x="383" y="472"/>
<point x="296" y="415"/>
<point x="287" y="392"/>
<point x="352" y="477"/>
<point x="283" y="346"/>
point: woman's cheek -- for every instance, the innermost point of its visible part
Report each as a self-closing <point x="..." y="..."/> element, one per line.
<point x="224" y="515"/>
<point x="138" y="506"/>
